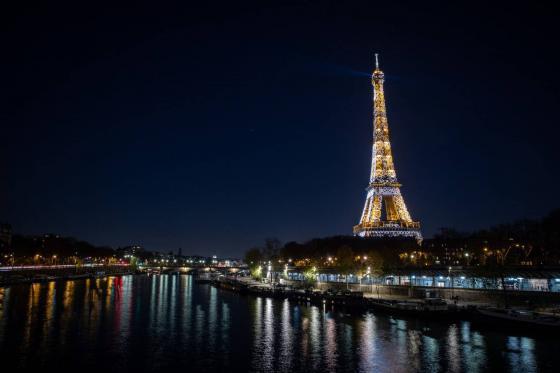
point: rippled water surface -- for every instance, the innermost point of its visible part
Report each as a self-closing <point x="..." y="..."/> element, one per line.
<point x="140" y="323"/>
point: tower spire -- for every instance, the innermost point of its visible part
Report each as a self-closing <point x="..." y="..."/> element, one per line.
<point x="377" y="61"/>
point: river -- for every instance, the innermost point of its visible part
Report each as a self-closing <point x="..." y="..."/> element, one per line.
<point x="160" y="323"/>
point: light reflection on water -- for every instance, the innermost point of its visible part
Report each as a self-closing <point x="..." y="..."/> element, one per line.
<point x="165" y="322"/>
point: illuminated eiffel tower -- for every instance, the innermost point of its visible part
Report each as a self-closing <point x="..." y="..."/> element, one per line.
<point x="385" y="213"/>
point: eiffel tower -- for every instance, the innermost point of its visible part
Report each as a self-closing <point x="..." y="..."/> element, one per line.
<point x="385" y="213"/>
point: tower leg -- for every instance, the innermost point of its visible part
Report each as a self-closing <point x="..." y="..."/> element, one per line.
<point x="391" y="211"/>
<point x="372" y="210"/>
<point x="401" y="208"/>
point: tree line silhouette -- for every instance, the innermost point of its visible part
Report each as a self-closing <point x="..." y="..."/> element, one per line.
<point x="532" y="242"/>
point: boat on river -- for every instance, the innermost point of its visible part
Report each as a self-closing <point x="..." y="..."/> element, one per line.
<point x="203" y="278"/>
<point x="518" y="318"/>
<point x="432" y="306"/>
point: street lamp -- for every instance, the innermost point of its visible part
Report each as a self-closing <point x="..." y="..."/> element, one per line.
<point x="370" y="277"/>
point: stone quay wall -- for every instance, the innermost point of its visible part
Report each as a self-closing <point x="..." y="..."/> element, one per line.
<point x="489" y="296"/>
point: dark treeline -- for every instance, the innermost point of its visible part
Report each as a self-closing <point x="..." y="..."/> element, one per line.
<point x="321" y="247"/>
<point x="525" y="242"/>
<point x="50" y="244"/>
<point x="347" y="253"/>
<point x="53" y="248"/>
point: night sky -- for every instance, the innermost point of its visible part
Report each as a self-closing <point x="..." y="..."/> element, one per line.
<point x="212" y="128"/>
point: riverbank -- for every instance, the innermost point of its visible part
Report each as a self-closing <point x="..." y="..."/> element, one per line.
<point x="347" y="298"/>
<point x="464" y="296"/>
<point x="529" y="320"/>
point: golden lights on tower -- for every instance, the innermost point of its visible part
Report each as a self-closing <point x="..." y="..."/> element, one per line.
<point x="383" y="192"/>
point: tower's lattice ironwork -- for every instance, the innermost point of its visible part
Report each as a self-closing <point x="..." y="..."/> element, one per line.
<point x="385" y="213"/>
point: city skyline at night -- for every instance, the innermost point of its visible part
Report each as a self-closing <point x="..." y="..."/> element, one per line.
<point x="211" y="130"/>
<point x="279" y="186"/>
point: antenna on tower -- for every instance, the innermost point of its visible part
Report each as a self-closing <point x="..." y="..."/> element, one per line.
<point x="377" y="61"/>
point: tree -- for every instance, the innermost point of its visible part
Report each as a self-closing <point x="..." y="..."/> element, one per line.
<point x="375" y="263"/>
<point x="256" y="271"/>
<point x="253" y="257"/>
<point x="310" y="276"/>
<point x="134" y="263"/>
<point x="345" y="261"/>
<point x="271" y="248"/>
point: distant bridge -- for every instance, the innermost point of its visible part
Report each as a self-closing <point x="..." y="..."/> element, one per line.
<point x="192" y="269"/>
<point x="27" y="274"/>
